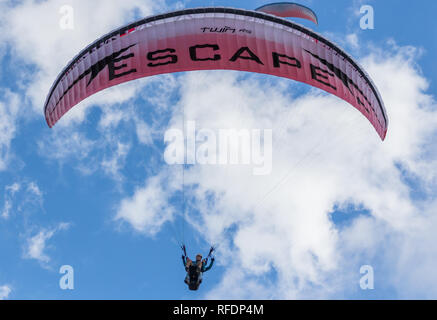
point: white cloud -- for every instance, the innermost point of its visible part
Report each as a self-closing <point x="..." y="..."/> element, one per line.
<point x="144" y="133"/>
<point x="352" y="40"/>
<point x="37" y="244"/>
<point x="33" y="188"/>
<point x="9" y="113"/>
<point x="149" y="209"/>
<point x="8" y="196"/>
<point x="4" y="292"/>
<point x="115" y="162"/>
<point x="64" y="144"/>
<point x="13" y="188"/>
<point x="6" y="208"/>
<point x="29" y="197"/>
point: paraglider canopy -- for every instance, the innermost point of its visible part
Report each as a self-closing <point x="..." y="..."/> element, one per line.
<point x="289" y="10"/>
<point x="215" y="39"/>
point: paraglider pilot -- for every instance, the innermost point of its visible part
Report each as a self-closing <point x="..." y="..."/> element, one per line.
<point x="196" y="269"/>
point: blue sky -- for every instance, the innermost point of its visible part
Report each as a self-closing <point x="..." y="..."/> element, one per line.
<point x="95" y="192"/>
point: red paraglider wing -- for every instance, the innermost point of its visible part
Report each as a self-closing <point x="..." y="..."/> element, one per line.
<point x="289" y="10"/>
<point x="215" y="38"/>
